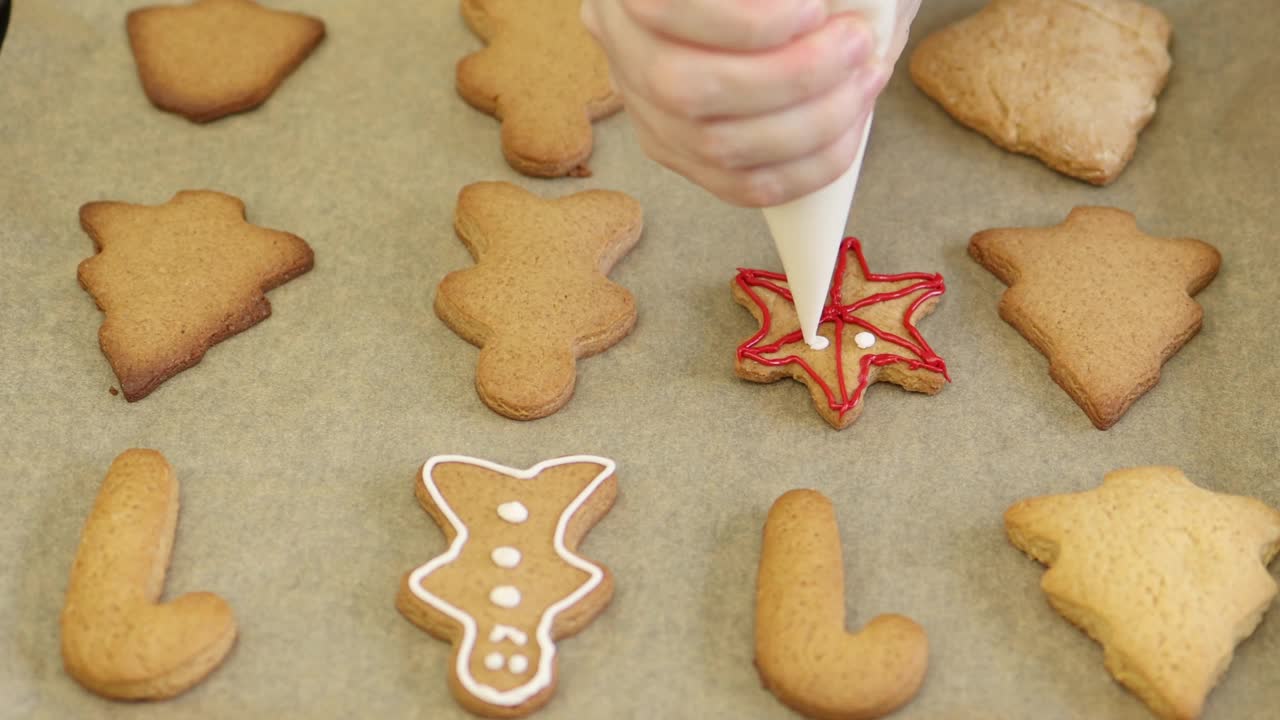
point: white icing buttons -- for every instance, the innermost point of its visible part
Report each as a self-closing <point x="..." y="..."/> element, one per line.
<point x="494" y="661"/>
<point x="864" y="339"/>
<point x="506" y="557"/>
<point x="513" y="512"/>
<point x="504" y="596"/>
<point x="518" y="664"/>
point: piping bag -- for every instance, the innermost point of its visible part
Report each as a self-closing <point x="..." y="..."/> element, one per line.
<point x="807" y="231"/>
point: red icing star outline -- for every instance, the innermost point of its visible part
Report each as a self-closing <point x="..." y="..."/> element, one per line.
<point x="843" y="314"/>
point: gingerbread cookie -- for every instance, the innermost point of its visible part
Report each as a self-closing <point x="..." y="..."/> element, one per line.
<point x="1071" y="83"/>
<point x="870" y="321"/>
<point x="177" y="278"/>
<point x="543" y="76"/>
<point x="1167" y="576"/>
<point x="117" y="639"/>
<point x="1105" y="302"/>
<point x="511" y="582"/>
<point x="538" y="297"/>
<point x="217" y="57"/>
<point x="803" y="652"/>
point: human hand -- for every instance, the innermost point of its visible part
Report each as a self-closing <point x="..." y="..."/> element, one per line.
<point x="758" y="101"/>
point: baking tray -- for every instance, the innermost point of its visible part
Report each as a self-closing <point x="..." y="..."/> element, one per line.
<point x="297" y="442"/>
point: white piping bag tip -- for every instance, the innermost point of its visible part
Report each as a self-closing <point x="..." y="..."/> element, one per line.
<point x="807" y="231"/>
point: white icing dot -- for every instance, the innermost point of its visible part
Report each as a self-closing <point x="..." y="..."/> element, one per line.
<point x="493" y="661"/>
<point x="513" y="512"/>
<point x="506" y="557"/>
<point x="518" y="664"/>
<point x="504" y="596"/>
<point x="820" y="343"/>
<point x="864" y="339"/>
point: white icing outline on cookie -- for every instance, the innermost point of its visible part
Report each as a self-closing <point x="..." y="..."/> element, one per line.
<point x="546" y="646"/>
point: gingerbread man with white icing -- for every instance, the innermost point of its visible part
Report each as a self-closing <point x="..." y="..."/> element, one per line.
<point x="510" y="582"/>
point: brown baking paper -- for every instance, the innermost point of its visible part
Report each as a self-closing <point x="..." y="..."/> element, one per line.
<point x="297" y="442"/>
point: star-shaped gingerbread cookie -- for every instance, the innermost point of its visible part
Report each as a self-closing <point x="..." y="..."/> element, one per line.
<point x="538" y="297"/>
<point x="1069" y="82"/>
<point x="543" y="76"/>
<point x="217" y="57"/>
<point x="177" y="278"/>
<point x="1167" y="576"/>
<point x="870" y="321"/>
<point x="1105" y="302"/>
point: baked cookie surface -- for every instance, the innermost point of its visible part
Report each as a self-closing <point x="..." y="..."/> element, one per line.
<point x="539" y="297"/>
<point x="1106" y="303"/>
<point x="118" y="639"/>
<point x="175" y="279"/>
<point x="1166" y="575"/>
<point x="870" y="323"/>
<point x="543" y="76"/>
<point x="217" y="57"/>
<point x="1071" y="82"/>
<point x="511" y="582"/>
<point x="804" y="654"/>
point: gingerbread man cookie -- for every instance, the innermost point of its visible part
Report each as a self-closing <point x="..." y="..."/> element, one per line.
<point x="538" y="297"/>
<point x="1167" y="576"/>
<point x="175" y="279"/>
<point x="870" y="321"/>
<point x="543" y="76"/>
<point x="803" y="652"/>
<point x="511" y="582"/>
<point x="118" y="640"/>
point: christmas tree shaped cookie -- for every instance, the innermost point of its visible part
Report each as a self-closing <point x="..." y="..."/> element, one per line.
<point x="870" y="321"/>
<point x="1105" y="302"/>
<point x="175" y="279"/>
<point x="1071" y="83"/>
<point x="217" y="57"/>
<point x="1167" y="576"/>
<point x="511" y="582"/>
<point x="538" y="297"/>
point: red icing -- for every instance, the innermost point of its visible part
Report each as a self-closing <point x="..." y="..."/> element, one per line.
<point x="841" y="313"/>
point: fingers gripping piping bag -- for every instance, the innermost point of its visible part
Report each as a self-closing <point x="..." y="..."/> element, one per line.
<point x="807" y="231"/>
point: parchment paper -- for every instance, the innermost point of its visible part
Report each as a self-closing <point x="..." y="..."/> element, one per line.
<point x="297" y="442"/>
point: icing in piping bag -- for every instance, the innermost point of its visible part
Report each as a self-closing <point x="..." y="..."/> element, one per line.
<point x="807" y="231"/>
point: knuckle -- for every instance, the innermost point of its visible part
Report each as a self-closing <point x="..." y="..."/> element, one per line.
<point x="810" y="72"/>
<point x="719" y="147"/>
<point x="669" y="86"/>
